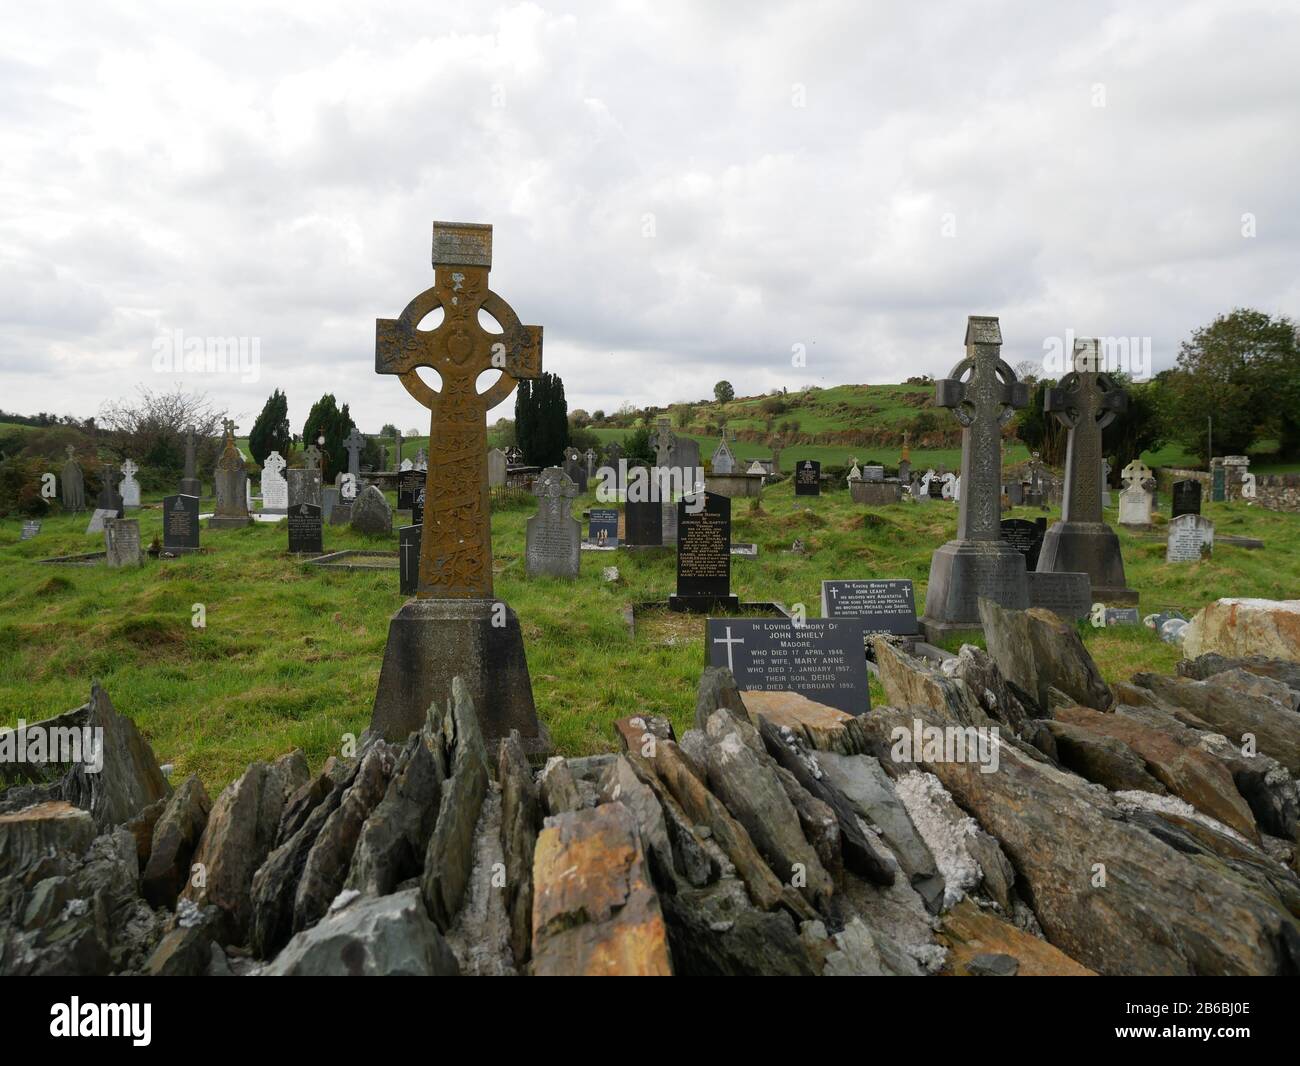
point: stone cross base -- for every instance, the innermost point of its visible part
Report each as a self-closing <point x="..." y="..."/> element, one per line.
<point x="191" y="486"/>
<point x="962" y="571"/>
<point x="1091" y="548"/>
<point x="430" y="642"/>
<point x="218" y="522"/>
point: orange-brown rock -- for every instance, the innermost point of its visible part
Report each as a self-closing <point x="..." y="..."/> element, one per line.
<point x="820" y="727"/>
<point x="1189" y="773"/>
<point x="969" y="932"/>
<point x="595" y="911"/>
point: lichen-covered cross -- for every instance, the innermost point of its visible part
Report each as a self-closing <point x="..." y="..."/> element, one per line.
<point x="1085" y="402"/>
<point x="456" y="537"/>
<point x="982" y="392"/>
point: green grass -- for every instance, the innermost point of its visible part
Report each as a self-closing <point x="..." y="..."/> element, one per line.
<point x="290" y="655"/>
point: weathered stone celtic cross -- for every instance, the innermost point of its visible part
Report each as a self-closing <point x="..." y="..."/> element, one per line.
<point x="456" y="540"/>
<point x="455" y="627"/>
<point x="1086" y="401"/>
<point x="982" y="392"/>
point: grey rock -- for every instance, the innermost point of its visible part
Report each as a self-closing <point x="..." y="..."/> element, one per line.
<point x="1036" y="651"/>
<point x="1102" y="759"/>
<point x="520" y="820"/>
<point x="371" y="513"/>
<point x="372" y="936"/>
<point x="175" y="837"/>
<point x="559" y="790"/>
<point x="993" y="966"/>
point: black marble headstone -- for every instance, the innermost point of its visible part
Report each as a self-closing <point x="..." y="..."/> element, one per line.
<point x="643" y="524"/>
<point x="1026" y="537"/>
<point x="1187" y="498"/>
<point x="602" y="526"/>
<point x="808" y="478"/>
<point x="823" y="659"/>
<point x="881" y="606"/>
<point x="306" y="521"/>
<point x="704" y="554"/>
<point x="409" y="484"/>
<point x="408" y="558"/>
<point x="417" y="511"/>
<point x="109" y="498"/>
<point x="180" y="523"/>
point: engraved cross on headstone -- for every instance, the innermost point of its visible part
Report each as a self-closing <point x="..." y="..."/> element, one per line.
<point x="552" y="488"/>
<point x="1085" y="402"/>
<point x="311" y="457"/>
<point x="982" y="392"/>
<point x="456" y="537"/>
<point x="354" y="443"/>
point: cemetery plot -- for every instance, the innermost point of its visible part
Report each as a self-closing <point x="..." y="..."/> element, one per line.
<point x="704" y="554"/>
<point x="882" y="606"/>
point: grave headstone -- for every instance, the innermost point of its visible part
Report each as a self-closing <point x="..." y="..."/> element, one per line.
<point x="873" y="473"/>
<point x="1120" y="616"/>
<point x="353" y="445"/>
<point x="983" y="393"/>
<point x="1191" y="538"/>
<point x="1186" y="498"/>
<point x="408" y="559"/>
<point x="304" y="485"/>
<point x="590" y="456"/>
<point x="552" y="535"/>
<point x="329" y="503"/>
<point x="73" y="484"/>
<point x="129" y="488"/>
<point x="613" y="453"/>
<point x="406" y="465"/>
<point x="306" y="529"/>
<point x="575" y="470"/>
<point x="409" y="485"/>
<point x="496" y="469"/>
<point x="109" y="498"/>
<point x="643" y="524"/>
<point x="1016" y="493"/>
<point x="808" y="478"/>
<point x="883" y="606"/>
<point x="190" y="483"/>
<point x="371" y="514"/>
<point x="1025" y="536"/>
<point x="417" y="512"/>
<point x="230" y="480"/>
<point x="875" y="493"/>
<point x="421" y="460"/>
<point x="602" y="526"/>
<point x="723" y="460"/>
<point x="1066" y="594"/>
<point x="122" y="542"/>
<point x="275" y="489"/>
<point x="1135" y="506"/>
<point x="180" y="523"/>
<point x="823" y="658"/>
<point x="1218" y="481"/>
<point x="1085" y="402"/>
<point x="31" y="527"/>
<point x="98" y="518"/>
<point x="704" y="555"/>
<point x="456" y="626"/>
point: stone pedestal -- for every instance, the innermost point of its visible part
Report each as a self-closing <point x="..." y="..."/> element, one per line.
<point x="191" y="486"/>
<point x="430" y="641"/>
<point x="1091" y="548"/>
<point x="218" y="522"/>
<point x="962" y="571"/>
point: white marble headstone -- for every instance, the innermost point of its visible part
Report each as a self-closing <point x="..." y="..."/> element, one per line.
<point x="275" y="489"/>
<point x="129" y="488"/>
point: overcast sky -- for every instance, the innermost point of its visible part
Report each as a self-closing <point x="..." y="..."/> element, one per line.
<point x="680" y="192"/>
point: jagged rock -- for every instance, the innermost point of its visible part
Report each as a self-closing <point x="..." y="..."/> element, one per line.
<point x="1036" y="650"/>
<point x="1100" y="758"/>
<point x="1254" y="685"/>
<point x="595" y="911"/>
<point x="370" y="936"/>
<point x="184" y="951"/>
<point x="304" y="799"/>
<point x="967" y="858"/>
<point x="1189" y="773"/>
<point x="817" y="820"/>
<point x="1246" y="627"/>
<point x="623" y="786"/>
<point x="860" y="854"/>
<point x="450" y="855"/>
<point x="976" y="669"/>
<point x="717" y="691"/>
<point x="867" y="789"/>
<point x="392" y="843"/>
<point x="141" y="826"/>
<point x="748" y="784"/>
<point x="1151" y="917"/>
<point x="175" y="837"/>
<point x="1206" y="666"/>
<point x="971" y="934"/>
<point x="669" y="767"/>
<point x="589" y="772"/>
<point x="240" y="832"/>
<point x="371" y="513"/>
<point x="559" y="791"/>
<point x="1214" y="706"/>
<point x="520" y="815"/>
<point x="41" y="831"/>
<point x="909" y="682"/>
<point x="820" y="727"/>
<point x="326" y="869"/>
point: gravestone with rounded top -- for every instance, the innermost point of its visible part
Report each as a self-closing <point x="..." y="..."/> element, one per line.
<point x="73" y="483"/>
<point x="371" y="514"/>
<point x="552" y="537"/>
<point x="129" y="487"/>
<point x="275" y="489"/>
<point x="122" y="542"/>
<point x="496" y="469"/>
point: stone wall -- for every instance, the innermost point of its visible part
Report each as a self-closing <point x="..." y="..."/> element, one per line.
<point x="1276" y="492"/>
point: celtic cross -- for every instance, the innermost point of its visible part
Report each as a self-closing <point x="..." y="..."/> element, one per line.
<point x="663" y="440"/>
<point x="982" y="392"/>
<point x="1085" y="402"/>
<point x="456" y="536"/>
<point x="553" y="488"/>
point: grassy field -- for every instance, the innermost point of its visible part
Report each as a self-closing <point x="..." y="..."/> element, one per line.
<point x="290" y="655"/>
